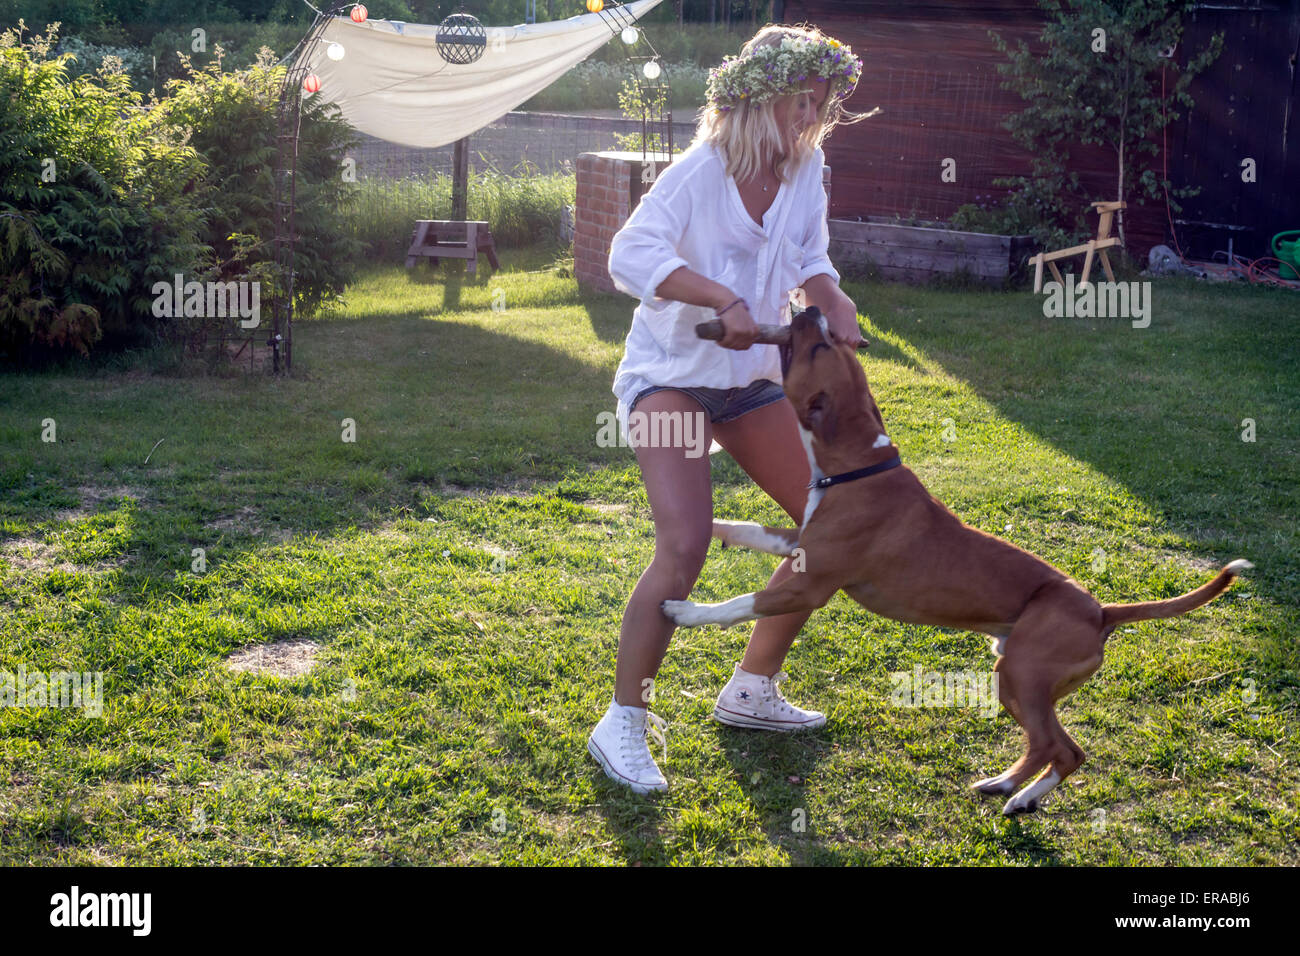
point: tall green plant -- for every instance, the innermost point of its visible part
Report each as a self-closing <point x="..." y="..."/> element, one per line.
<point x="641" y="104"/>
<point x="92" y="210"/>
<point x="1098" y="82"/>
<point x="230" y="120"/>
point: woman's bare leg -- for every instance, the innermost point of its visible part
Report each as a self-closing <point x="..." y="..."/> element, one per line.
<point x="681" y="500"/>
<point x="766" y="444"/>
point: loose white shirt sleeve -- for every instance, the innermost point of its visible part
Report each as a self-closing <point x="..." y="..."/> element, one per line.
<point x="693" y="216"/>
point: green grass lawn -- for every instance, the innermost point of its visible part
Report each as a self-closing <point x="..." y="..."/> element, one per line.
<point x="463" y="567"/>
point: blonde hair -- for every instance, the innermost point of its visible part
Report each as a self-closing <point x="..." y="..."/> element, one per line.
<point x="748" y="136"/>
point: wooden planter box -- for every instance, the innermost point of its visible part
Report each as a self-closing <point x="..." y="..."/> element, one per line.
<point x="883" y="248"/>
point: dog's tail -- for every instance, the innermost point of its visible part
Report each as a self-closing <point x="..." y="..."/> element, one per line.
<point x="1116" y="614"/>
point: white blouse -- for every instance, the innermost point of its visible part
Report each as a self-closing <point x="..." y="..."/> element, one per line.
<point x="693" y="216"/>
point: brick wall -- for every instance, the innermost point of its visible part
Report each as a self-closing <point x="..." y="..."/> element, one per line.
<point x="609" y="186"/>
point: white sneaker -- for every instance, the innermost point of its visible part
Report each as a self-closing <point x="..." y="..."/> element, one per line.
<point x="751" y="700"/>
<point x="619" y="745"/>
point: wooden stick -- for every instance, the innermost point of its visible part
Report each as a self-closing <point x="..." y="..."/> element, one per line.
<point x="767" y="334"/>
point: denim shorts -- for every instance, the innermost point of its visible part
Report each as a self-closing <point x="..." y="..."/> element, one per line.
<point x="724" y="404"/>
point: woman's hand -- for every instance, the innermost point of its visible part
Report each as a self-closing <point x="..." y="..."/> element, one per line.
<point x="840" y="311"/>
<point x="842" y="319"/>
<point x="739" y="330"/>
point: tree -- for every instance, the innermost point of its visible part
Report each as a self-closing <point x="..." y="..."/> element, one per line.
<point x="1098" y="83"/>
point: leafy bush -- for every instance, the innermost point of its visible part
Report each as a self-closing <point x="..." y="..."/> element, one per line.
<point x="231" y="119"/>
<point x="240" y="45"/>
<point x="103" y="197"/>
<point x="1092" y="84"/>
<point x="90" y="58"/>
<point x="92" y="204"/>
<point x="1044" y="206"/>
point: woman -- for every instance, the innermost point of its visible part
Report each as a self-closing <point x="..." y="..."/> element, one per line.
<point x="730" y="229"/>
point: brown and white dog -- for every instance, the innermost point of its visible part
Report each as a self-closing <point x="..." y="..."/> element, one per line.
<point x="872" y="530"/>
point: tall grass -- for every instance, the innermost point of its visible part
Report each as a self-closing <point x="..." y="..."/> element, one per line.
<point x="521" y="209"/>
<point x="697" y="43"/>
<point x="594" y="85"/>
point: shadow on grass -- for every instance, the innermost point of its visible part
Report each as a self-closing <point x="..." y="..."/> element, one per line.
<point x="1161" y="409"/>
<point x="634" y="820"/>
<point x="772" y="770"/>
<point x="1019" y="836"/>
<point x="610" y="314"/>
<point x="250" y="461"/>
<point x="878" y="348"/>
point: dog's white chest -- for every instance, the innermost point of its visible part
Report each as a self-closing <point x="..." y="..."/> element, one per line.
<point x="814" y="494"/>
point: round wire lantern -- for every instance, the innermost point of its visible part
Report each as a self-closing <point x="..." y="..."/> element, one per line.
<point x="461" y="39"/>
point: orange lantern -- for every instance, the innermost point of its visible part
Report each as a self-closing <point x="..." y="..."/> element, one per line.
<point x="595" y="6"/>
<point x="311" y="83"/>
<point x="359" y="14"/>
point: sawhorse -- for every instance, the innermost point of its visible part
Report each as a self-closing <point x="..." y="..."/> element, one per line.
<point x="1092" y="247"/>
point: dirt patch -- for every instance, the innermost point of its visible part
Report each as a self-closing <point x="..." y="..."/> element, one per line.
<point x="520" y="488"/>
<point x="30" y="556"/>
<point x="281" y="659"/>
<point x="38" y="556"/>
<point x="92" y="496"/>
<point x="245" y="521"/>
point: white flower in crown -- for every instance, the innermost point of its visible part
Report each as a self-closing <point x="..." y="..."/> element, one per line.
<point x="772" y="71"/>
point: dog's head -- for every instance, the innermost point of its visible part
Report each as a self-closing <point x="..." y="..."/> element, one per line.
<point x="826" y="384"/>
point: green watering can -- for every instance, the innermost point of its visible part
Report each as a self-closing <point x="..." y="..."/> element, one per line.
<point x="1288" y="253"/>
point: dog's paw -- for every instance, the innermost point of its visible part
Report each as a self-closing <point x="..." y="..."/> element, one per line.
<point x="726" y="614"/>
<point x="732" y="533"/>
<point x="683" y="613"/>
<point x="1028" y="799"/>
<point x="1020" y="804"/>
<point x="998" y="786"/>
<point x="749" y="534"/>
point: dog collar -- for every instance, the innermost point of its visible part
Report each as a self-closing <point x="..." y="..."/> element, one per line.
<point x="829" y="480"/>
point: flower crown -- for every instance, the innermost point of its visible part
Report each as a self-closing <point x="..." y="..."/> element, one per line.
<point x="771" y="71"/>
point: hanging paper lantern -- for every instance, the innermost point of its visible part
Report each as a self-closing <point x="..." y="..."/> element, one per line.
<point x="311" y="83"/>
<point x="629" y="35"/>
<point x="335" y="51"/>
<point x="651" y="70"/>
<point x="595" y="6"/>
<point x="359" y="14"/>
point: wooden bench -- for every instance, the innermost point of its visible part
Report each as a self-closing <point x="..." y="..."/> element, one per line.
<point x="1090" y="248"/>
<point x="436" y="239"/>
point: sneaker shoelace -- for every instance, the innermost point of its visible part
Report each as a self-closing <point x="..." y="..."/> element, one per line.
<point x="774" y="692"/>
<point x="635" y="745"/>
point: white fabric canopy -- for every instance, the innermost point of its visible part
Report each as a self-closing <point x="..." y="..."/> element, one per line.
<point x="393" y="83"/>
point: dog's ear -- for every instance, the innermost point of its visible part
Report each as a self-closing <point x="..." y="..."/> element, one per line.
<point x="819" y="414"/>
<point x="875" y="410"/>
